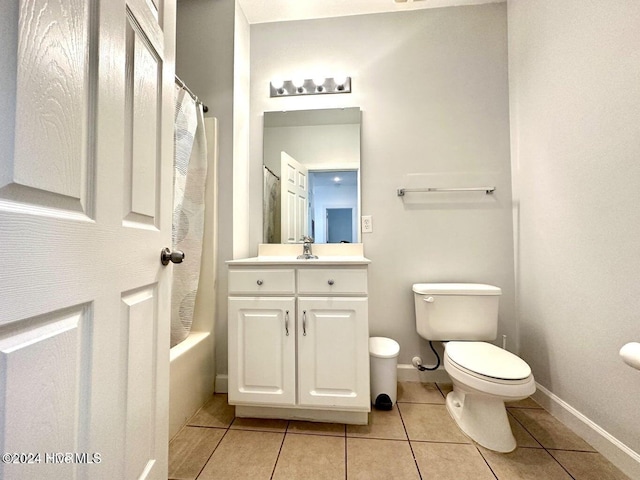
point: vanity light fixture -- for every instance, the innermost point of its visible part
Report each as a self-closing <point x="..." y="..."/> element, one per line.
<point x="284" y="88"/>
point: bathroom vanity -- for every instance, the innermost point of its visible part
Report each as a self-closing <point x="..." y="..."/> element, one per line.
<point x="298" y="334"/>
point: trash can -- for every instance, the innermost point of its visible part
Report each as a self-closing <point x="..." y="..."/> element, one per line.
<point x="383" y="358"/>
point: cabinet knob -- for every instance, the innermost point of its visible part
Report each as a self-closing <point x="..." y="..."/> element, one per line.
<point x="331" y="282"/>
<point x="259" y="282"/>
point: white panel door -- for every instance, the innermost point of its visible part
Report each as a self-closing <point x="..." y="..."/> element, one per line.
<point x="262" y="349"/>
<point x="333" y="352"/>
<point x="86" y="148"/>
<point x="294" y="194"/>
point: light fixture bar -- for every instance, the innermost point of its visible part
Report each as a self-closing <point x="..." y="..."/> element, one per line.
<point x="310" y="87"/>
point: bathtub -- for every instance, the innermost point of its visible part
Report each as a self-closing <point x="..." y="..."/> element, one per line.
<point x="191" y="378"/>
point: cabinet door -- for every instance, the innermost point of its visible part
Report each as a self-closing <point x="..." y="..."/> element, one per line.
<point x="333" y="352"/>
<point x="262" y="350"/>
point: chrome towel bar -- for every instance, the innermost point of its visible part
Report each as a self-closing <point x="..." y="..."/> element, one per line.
<point x="487" y="190"/>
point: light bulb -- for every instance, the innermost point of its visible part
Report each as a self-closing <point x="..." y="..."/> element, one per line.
<point x="278" y="86"/>
<point x="298" y="83"/>
<point x="340" y="79"/>
<point x="319" y="83"/>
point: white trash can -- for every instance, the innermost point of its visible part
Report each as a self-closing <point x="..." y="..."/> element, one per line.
<point x="383" y="360"/>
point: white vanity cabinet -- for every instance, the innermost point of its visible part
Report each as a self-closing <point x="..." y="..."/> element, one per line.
<point x="298" y="341"/>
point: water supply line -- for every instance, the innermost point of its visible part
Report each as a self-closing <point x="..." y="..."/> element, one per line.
<point x="417" y="361"/>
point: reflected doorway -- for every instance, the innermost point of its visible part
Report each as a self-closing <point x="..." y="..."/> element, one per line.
<point x="335" y="190"/>
<point x="339" y="225"/>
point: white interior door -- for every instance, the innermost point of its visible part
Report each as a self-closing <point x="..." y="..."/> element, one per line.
<point x="86" y="147"/>
<point x="294" y="192"/>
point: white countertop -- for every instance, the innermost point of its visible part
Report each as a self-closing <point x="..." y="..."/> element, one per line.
<point x="286" y="254"/>
<point x="290" y="260"/>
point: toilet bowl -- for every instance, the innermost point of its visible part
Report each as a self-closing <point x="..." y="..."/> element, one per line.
<point x="484" y="377"/>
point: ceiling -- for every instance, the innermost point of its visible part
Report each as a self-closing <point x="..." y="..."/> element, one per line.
<point x="264" y="11"/>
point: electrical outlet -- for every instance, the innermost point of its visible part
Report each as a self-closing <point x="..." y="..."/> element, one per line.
<point x="367" y="226"/>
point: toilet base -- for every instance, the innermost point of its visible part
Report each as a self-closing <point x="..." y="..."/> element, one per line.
<point x="483" y="418"/>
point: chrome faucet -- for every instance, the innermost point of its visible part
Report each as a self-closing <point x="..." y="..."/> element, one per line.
<point x="306" y="249"/>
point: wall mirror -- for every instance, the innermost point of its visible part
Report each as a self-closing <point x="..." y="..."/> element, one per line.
<point x="311" y="168"/>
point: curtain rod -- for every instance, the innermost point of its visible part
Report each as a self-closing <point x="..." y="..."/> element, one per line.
<point x="183" y="85"/>
<point x="269" y="170"/>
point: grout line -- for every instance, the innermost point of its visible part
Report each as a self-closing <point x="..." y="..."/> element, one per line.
<point x="509" y="414"/>
<point x="485" y="460"/>
<point x="346" y="456"/>
<point x="443" y="442"/>
<point x="279" y="451"/>
<point x="207" y="426"/>
<point x="216" y="447"/>
<point x="409" y="442"/>
<point x="539" y="443"/>
<point x="558" y="462"/>
<point x="440" y="390"/>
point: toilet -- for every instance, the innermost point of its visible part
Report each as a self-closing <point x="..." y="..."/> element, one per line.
<point x="463" y="316"/>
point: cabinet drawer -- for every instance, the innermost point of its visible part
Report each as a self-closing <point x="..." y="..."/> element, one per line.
<point x="261" y="281"/>
<point x="332" y="281"/>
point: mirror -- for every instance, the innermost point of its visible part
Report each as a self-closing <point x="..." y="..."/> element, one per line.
<point x="311" y="168"/>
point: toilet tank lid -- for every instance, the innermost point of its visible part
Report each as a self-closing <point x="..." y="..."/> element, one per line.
<point x="456" y="289"/>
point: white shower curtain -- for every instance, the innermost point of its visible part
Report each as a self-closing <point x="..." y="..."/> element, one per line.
<point x="190" y="173"/>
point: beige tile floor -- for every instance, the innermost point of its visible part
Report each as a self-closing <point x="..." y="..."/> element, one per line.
<point x="415" y="440"/>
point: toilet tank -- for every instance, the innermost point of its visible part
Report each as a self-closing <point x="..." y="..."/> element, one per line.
<point x="456" y="311"/>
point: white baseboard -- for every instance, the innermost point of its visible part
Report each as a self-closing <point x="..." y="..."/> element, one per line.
<point x="409" y="373"/>
<point x="222" y="383"/>
<point x="610" y="447"/>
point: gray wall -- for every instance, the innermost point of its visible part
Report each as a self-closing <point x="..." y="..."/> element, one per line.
<point x="433" y="88"/>
<point x="574" y="69"/>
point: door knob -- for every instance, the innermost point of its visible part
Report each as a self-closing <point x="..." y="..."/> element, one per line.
<point x="167" y="256"/>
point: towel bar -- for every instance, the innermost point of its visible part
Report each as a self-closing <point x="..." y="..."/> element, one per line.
<point x="487" y="190"/>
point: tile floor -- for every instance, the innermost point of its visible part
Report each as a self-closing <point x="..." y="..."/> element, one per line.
<point x="415" y="440"/>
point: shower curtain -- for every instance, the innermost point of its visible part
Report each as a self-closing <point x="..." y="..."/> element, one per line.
<point x="271" y="207"/>
<point x="190" y="173"/>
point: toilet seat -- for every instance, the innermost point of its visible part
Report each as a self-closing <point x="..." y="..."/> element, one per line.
<point x="503" y="389"/>
<point x="485" y="360"/>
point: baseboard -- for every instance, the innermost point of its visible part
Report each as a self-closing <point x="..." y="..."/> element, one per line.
<point x="610" y="447"/>
<point x="409" y="373"/>
<point x="222" y="383"/>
